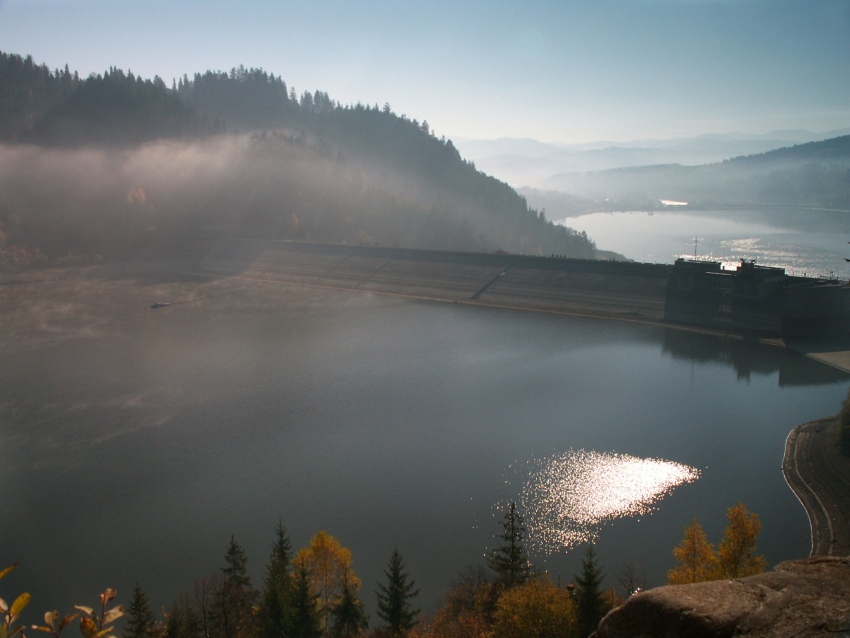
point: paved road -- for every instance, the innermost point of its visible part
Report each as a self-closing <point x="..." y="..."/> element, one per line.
<point x="820" y="477"/>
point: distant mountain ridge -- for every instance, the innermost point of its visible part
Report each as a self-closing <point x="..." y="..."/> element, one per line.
<point x="834" y="149"/>
<point x="814" y="174"/>
<point x="530" y="163"/>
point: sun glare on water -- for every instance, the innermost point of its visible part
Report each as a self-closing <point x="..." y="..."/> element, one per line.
<point x="567" y="497"/>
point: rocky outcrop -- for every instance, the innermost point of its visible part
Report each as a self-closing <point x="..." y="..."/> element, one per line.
<point x="808" y="597"/>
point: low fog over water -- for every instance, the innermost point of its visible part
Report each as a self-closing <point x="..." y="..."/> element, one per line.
<point x="167" y="199"/>
<point x="134" y="441"/>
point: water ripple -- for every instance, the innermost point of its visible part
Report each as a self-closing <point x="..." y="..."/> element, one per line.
<point x="568" y="497"/>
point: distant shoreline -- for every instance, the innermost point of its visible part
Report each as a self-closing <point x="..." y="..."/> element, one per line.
<point x="700" y="208"/>
<point x="819" y="475"/>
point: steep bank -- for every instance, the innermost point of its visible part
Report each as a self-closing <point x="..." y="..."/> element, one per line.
<point x="820" y="477"/>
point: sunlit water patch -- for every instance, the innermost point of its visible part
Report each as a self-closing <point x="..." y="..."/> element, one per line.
<point x="805" y="243"/>
<point x="568" y="497"/>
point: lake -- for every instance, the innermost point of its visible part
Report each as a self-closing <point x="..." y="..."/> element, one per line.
<point x="804" y="242"/>
<point x="134" y="441"/>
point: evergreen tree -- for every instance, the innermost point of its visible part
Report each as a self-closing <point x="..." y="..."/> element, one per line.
<point x="394" y="606"/>
<point x="305" y="610"/>
<point x="141" y="620"/>
<point x="275" y="615"/>
<point x="590" y="603"/>
<point x="509" y="560"/>
<point x="236" y="568"/>
<point x="235" y="599"/>
<point x="348" y="617"/>
<point x="181" y="621"/>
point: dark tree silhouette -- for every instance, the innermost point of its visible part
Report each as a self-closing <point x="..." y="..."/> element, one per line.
<point x="275" y="614"/>
<point x="235" y="598"/>
<point x="590" y="604"/>
<point x="305" y="612"/>
<point x="394" y="598"/>
<point x="348" y="617"/>
<point x="141" y="620"/>
<point x="509" y="560"/>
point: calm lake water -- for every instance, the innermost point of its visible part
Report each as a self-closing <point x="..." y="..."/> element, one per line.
<point x="804" y="242"/>
<point x="133" y="441"/>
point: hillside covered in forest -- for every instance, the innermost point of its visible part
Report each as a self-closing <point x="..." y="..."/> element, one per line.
<point x="115" y="166"/>
<point x="815" y="174"/>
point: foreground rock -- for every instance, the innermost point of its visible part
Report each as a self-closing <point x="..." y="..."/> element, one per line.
<point x="808" y="597"/>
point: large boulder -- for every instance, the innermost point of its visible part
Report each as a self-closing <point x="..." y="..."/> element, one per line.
<point x="808" y="597"/>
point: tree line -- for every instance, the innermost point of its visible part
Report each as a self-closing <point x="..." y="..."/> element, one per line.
<point x="315" y="593"/>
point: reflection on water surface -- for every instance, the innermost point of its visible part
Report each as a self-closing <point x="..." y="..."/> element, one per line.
<point x="568" y="496"/>
<point x="804" y="242"/>
<point x="149" y="437"/>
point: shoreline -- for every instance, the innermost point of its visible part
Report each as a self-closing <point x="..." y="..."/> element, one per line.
<point x="819" y="476"/>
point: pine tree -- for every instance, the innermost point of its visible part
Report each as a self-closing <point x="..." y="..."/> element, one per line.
<point x="305" y="610"/>
<point x="348" y="617"/>
<point x="509" y="560"/>
<point x="181" y="621"/>
<point x="590" y="604"/>
<point x="140" y="617"/>
<point x="234" y="603"/>
<point x="275" y="615"/>
<point x="394" y="598"/>
<point x="236" y="569"/>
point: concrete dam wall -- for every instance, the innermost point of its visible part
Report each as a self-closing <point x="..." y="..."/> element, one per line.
<point x="602" y="288"/>
<point x="753" y="300"/>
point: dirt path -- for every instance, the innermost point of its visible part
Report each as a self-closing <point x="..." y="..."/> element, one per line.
<point x="820" y="477"/>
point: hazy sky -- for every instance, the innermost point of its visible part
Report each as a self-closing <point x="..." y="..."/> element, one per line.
<point x="557" y="71"/>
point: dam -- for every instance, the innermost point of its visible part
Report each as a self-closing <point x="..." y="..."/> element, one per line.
<point x="753" y="300"/>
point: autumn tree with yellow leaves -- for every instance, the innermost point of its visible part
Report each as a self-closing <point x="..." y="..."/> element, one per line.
<point x="328" y="565"/>
<point x="536" y="609"/>
<point x="697" y="560"/>
<point x="736" y="553"/>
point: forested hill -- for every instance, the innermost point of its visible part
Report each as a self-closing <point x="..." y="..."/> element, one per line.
<point x="836" y="149"/>
<point x="115" y="166"/>
<point x="816" y="174"/>
<point x="113" y="109"/>
<point x="28" y="92"/>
